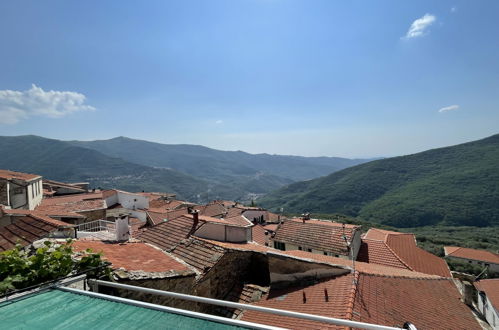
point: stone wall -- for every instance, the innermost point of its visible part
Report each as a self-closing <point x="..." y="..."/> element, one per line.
<point x="4" y="193"/>
<point x="234" y="268"/>
<point x="181" y="284"/>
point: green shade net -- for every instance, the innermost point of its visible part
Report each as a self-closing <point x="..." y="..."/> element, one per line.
<point x="58" y="309"/>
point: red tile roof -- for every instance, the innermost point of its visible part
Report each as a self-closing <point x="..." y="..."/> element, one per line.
<point x="427" y="303"/>
<point x="480" y="255"/>
<point x="132" y="256"/>
<point x="168" y="234"/>
<point x="26" y="229"/>
<point x="491" y="289"/>
<point x="211" y="210"/>
<point x="315" y="234"/>
<point x="400" y="250"/>
<point x="10" y="175"/>
<point x="311" y="300"/>
<point x="238" y="221"/>
<point x="69" y="205"/>
<point x="376" y="252"/>
<point x="368" y="268"/>
<point x="199" y="254"/>
<point x="258" y="234"/>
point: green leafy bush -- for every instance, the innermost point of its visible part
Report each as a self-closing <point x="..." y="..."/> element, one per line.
<point x="24" y="267"/>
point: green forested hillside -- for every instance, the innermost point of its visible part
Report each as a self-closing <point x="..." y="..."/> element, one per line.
<point x="456" y="185"/>
<point x="218" y="165"/>
<point x="62" y="161"/>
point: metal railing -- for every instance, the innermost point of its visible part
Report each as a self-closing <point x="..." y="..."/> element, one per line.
<point x="97" y="225"/>
<point x="311" y="317"/>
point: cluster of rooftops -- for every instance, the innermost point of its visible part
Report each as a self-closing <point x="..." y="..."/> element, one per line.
<point x="229" y="251"/>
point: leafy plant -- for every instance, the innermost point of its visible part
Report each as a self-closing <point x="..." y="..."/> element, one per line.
<point x="24" y="267"/>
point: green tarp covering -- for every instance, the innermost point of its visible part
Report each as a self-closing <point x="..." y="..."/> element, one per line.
<point x="58" y="309"/>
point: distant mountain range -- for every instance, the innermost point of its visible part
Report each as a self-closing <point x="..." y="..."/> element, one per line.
<point x="457" y="185"/>
<point x="193" y="172"/>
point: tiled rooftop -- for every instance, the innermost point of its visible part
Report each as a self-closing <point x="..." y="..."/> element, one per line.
<point x="10" y="175"/>
<point x="27" y="229"/>
<point x="315" y="234"/>
<point x="310" y="299"/>
<point x="367" y="268"/>
<point x="199" y="254"/>
<point x="67" y="205"/>
<point x="132" y="256"/>
<point x="166" y="235"/>
<point x="481" y="255"/>
<point x="427" y="303"/>
<point x="400" y="250"/>
<point x="491" y="289"/>
<point x="258" y="234"/>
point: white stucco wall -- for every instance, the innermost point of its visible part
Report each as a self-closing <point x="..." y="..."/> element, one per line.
<point x="141" y="215"/>
<point x="35" y="194"/>
<point x="224" y="233"/>
<point x="133" y="201"/>
<point x="488" y="311"/>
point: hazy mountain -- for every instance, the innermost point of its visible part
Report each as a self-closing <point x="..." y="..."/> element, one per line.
<point x="454" y="185"/>
<point x="193" y="172"/>
<point x="218" y="165"/>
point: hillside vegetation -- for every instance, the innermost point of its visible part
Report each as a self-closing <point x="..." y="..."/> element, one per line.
<point x="192" y="172"/>
<point x="456" y="185"/>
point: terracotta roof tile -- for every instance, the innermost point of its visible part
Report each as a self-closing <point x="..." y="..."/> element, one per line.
<point x="132" y="256"/>
<point x="315" y="234"/>
<point x="166" y="235"/>
<point x="400" y="250"/>
<point x="25" y="230"/>
<point x="491" y="289"/>
<point x="427" y="303"/>
<point x="481" y="255"/>
<point x="258" y="234"/>
<point x="363" y="267"/>
<point x="199" y="254"/>
<point x="292" y="299"/>
<point x="10" y="175"/>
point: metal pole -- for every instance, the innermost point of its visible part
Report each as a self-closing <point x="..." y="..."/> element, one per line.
<point x="311" y="317"/>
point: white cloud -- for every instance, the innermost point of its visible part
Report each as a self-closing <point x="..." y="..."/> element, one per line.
<point x="19" y="105"/>
<point x="418" y="27"/>
<point x="219" y="121"/>
<point x="449" y="108"/>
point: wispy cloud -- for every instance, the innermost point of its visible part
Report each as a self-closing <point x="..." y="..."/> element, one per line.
<point x="449" y="108"/>
<point x="453" y="9"/>
<point x="420" y="26"/>
<point x="219" y="122"/>
<point x="18" y="105"/>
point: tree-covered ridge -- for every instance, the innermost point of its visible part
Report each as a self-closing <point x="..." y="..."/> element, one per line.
<point x="456" y="185"/>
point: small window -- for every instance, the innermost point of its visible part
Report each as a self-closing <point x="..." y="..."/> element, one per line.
<point x="280" y="246"/>
<point x="309" y="250"/>
<point x="300" y="248"/>
<point x="325" y="253"/>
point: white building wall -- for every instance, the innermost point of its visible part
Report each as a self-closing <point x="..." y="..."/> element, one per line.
<point x="212" y="231"/>
<point x="492" y="267"/>
<point x="132" y="201"/>
<point x="35" y="194"/>
<point x="488" y="311"/>
<point x="141" y="215"/>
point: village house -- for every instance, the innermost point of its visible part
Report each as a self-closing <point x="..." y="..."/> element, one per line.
<point x="20" y="190"/>
<point x="488" y="300"/>
<point x="318" y="236"/>
<point x="481" y="258"/>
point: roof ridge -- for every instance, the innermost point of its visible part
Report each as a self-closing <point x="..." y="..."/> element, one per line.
<point x="351" y="296"/>
<point x="398" y="257"/>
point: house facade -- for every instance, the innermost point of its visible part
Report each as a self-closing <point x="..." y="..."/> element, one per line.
<point x="20" y="190"/>
<point x="480" y="258"/>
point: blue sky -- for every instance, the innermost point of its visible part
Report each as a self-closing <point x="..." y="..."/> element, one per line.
<point x="349" y="78"/>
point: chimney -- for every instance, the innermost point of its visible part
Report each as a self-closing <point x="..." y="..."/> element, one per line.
<point x="195" y="217"/>
<point x="304" y="297"/>
<point x="326" y="296"/>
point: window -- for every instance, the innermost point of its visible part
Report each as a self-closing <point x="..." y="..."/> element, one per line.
<point x="325" y="253"/>
<point x="309" y="250"/>
<point x="280" y="246"/>
<point x="300" y="248"/>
